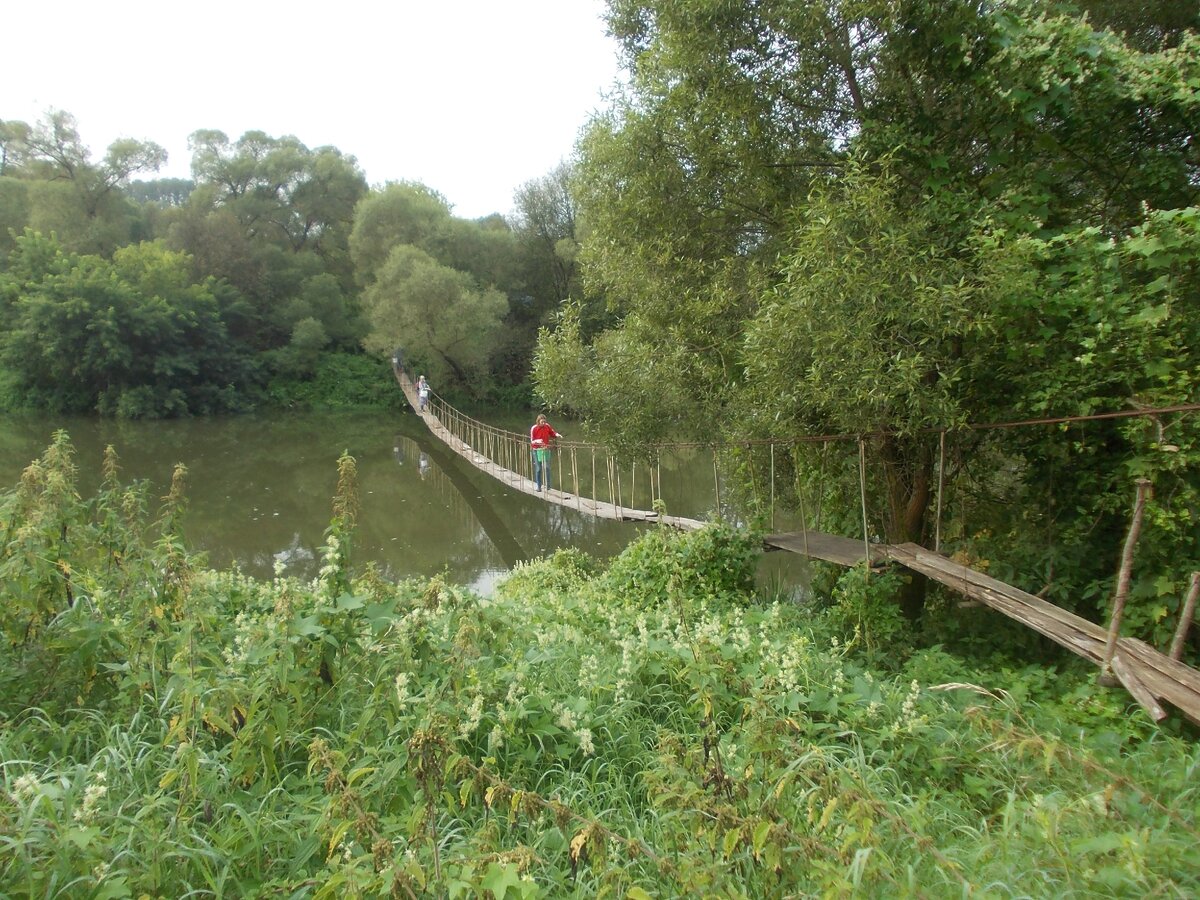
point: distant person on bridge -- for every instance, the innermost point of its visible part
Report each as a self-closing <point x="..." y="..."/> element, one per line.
<point x="540" y="436"/>
<point x="423" y="392"/>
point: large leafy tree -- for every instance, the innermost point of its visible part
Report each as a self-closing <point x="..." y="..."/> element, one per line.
<point x="67" y="192"/>
<point x="822" y="217"/>
<point x="438" y="314"/>
<point x="273" y="218"/>
<point x="475" y="262"/>
<point x="133" y="337"/>
<point x="546" y="225"/>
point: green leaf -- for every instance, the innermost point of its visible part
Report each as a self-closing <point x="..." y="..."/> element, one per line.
<point x="308" y="626"/>
<point x="347" y="602"/>
<point x="498" y="879"/>
<point x="113" y="888"/>
<point x="731" y="841"/>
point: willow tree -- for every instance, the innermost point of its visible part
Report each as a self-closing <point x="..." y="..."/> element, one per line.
<point x="441" y="316"/>
<point x="826" y="216"/>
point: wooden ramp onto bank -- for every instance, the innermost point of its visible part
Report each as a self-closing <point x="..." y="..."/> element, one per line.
<point x="1148" y="675"/>
<point x="477" y="444"/>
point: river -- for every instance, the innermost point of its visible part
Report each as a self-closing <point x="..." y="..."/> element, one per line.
<point x="259" y="490"/>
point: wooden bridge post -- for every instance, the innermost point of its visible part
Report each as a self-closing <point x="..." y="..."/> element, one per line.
<point x="803" y="513"/>
<point x="1124" y="576"/>
<point x="862" y="490"/>
<point x="1185" y="618"/>
<point x="575" y="478"/>
<point x="937" y="525"/>
<point x="773" y="485"/>
<point x="716" y="481"/>
<point x="658" y="472"/>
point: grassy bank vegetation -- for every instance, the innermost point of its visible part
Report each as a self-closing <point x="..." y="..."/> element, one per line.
<point x="645" y="728"/>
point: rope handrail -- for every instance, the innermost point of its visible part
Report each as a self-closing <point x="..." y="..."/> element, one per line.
<point x="506" y="434"/>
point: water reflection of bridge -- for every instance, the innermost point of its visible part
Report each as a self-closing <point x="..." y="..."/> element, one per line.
<point x="436" y="466"/>
<point x="1146" y="673"/>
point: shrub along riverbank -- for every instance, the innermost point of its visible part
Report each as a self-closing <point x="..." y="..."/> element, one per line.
<point x="649" y="728"/>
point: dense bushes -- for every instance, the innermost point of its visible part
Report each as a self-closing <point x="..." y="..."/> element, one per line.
<point x="172" y="730"/>
<point x="339" y="381"/>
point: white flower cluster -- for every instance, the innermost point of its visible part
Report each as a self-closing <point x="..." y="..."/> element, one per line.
<point x="568" y="722"/>
<point x="516" y="688"/>
<point x="495" y="739"/>
<point x="92" y="796"/>
<point x="243" y="640"/>
<point x="403" y="698"/>
<point x="717" y="630"/>
<point x="585" y="741"/>
<point x="566" y="717"/>
<point x="909" y="721"/>
<point x="331" y="563"/>
<point x="474" y="716"/>
<point x="793" y="666"/>
<point x="589" y="672"/>
<point x="24" y="787"/>
<point x="629" y="662"/>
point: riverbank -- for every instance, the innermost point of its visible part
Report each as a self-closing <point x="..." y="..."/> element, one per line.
<point x="648" y="726"/>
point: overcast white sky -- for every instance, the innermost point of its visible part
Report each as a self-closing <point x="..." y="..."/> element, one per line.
<point x="471" y="97"/>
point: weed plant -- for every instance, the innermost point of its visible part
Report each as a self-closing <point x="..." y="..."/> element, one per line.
<point x="645" y="730"/>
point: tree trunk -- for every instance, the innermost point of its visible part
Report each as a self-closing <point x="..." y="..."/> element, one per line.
<point x="908" y="469"/>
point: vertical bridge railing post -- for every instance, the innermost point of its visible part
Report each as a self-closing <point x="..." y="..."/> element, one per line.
<point x="862" y="490"/>
<point x="1124" y="576"/>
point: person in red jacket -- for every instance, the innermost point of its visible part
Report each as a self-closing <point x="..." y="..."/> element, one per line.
<point x="540" y="436"/>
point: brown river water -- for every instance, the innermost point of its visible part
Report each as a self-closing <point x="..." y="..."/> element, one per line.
<point x="259" y="490"/>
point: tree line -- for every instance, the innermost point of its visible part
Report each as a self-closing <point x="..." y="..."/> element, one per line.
<point x="893" y="220"/>
<point x="138" y="296"/>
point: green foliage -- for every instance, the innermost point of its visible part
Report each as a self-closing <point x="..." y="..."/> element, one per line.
<point x="661" y="567"/>
<point x="132" y="337"/>
<point x="965" y="213"/>
<point x="865" y="609"/>
<point x="436" y="313"/>
<point x="338" y="381"/>
<point x="66" y="192"/>
<point x="202" y="732"/>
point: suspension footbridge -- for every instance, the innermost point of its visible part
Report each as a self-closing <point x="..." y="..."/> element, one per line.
<point x="584" y="473"/>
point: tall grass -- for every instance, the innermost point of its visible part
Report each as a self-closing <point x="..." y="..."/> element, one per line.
<point x="648" y="729"/>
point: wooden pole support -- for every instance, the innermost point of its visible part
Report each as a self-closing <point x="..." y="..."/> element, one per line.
<point x="1125" y="574"/>
<point x="1185" y="617"/>
<point x="937" y="527"/>
<point x="717" y="483"/>
<point x="862" y="489"/>
<point x="1137" y="688"/>
<point x="772" y="485"/>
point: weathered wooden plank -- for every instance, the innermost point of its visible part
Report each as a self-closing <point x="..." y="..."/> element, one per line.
<point x="1161" y="676"/>
<point x="1136" y="687"/>
<point x="828" y="547"/>
<point x="936" y="565"/>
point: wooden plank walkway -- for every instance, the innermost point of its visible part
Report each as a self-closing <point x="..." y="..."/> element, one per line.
<point x="518" y="482"/>
<point x="1146" y="673"/>
<point x="828" y="547"/>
